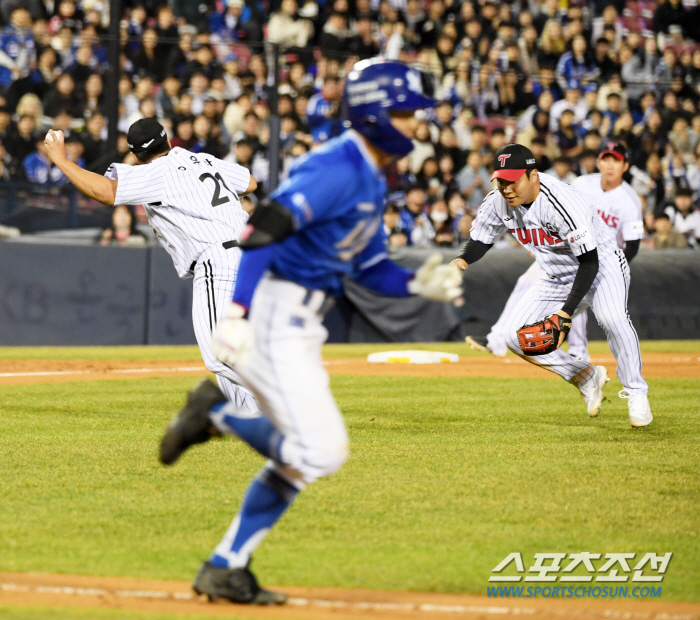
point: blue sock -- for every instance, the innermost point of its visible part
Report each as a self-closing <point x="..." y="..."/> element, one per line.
<point x="257" y="431"/>
<point x="266" y="500"/>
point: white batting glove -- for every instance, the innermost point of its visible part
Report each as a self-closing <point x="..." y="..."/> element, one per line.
<point x="232" y="337"/>
<point x="438" y="282"/>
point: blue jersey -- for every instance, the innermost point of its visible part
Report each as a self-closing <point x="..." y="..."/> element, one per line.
<point x="16" y="48"/>
<point x="322" y="126"/>
<point x="336" y="194"/>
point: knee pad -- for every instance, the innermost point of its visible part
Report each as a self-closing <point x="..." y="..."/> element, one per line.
<point x="323" y="461"/>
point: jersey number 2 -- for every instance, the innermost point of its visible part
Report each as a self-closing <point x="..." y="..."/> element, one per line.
<point x="216" y="199"/>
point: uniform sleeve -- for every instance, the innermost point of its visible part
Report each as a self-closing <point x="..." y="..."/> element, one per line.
<point x="488" y="225"/>
<point x="571" y="215"/>
<point x="631" y="217"/>
<point x="236" y="177"/>
<point x="315" y="188"/>
<point x="136" y="184"/>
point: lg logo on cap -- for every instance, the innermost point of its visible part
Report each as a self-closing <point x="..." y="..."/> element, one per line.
<point x="502" y="159"/>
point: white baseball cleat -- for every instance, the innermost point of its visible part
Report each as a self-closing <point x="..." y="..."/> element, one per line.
<point x="592" y="390"/>
<point x="639" y="409"/>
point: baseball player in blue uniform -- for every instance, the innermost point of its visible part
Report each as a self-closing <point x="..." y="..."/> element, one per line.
<point x="322" y="224"/>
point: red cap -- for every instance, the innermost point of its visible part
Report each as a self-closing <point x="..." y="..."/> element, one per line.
<point x="508" y="174"/>
<point x="617" y="150"/>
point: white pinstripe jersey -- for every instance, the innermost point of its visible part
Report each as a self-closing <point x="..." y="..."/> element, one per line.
<point x="191" y="200"/>
<point x="560" y="225"/>
<point x="620" y="208"/>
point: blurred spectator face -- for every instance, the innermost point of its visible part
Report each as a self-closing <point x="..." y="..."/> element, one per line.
<point x="439" y="213"/>
<point x="647" y="100"/>
<point x="537" y="148"/>
<point x="257" y="67"/>
<point x="610" y="14"/>
<point x="488" y="11"/>
<point x="655" y="121"/>
<point x="185" y="42"/>
<point x="150" y="40"/>
<point x="47" y="60"/>
<point x="446" y="165"/>
<point x="262" y="110"/>
<point x="680" y="126"/>
<point x="300" y="104"/>
<point x="625" y="54"/>
<point x="251" y="124"/>
<point x="171" y="86"/>
<point x="184" y="130"/>
<point x="415" y="200"/>
<point x="445" y="46"/>
<point x="25" y="126"/>
<point x="478" y="135"/>
<point x="450" y="31"/>
<point x="244" y="152"/>
<point x="41" y="33"/>
<point x="144" y="87"/>
<point x="147" y="107"/>
<point x="65" y="84"/>
<point x="566" y="120"/>
<point x="562" y="168"/>
<point x="138" y="14"/>
<point x="444" y="112"/>
<point x="204" y="55"/>
<point x="391" y="217"/>
<point x="62" y="121"/>
<point x="289" y="7"/>
<point x="498" y="139"/>
<point x="587" y="164"/>
<point x="74" y="150"/>
<point x="530" y="36"/>
<point x="625" y="122"/>
<point x="165" y="17"/>
<point x="474" y="160"/>
<point x="429" y="168"/>
<point x="84" y="55"/>
<point x="654" y="164"/>
<point x="95" y="125"/>
<point x="670" y="100"/>
<point x="670" y="57"/>
<point x="287" y="125"/>
<point x="201" y="127"/>
<point x="465" y="224"/>
<point x="662" y="225"/>
<point x="209" y="109"/>
<point x="185" y="104"/>
<point x="330" y="89"/>
<point x="572" y="95"/>
<point x="684" y="203"/>
<point x="592" y="141"/>
<point x="398" y="238"/>
<point x="473" y="29"/>
<point x="5" y="119"/>
<point x="437" y="8"/>
<point x="545" y="101"/>
<point x="121" y="217"/>
<point x="298" y="149"/>
<point x="456" y="205"/>
<point x="614" y="102"/>
<point x="579" y="45"/>
<point x="93" y="85"/>
<point x="525" y="18"/>
<point x="650" y="45"/>
<point x="423" y="132"/>
<point x="124" y="85"/>
<point x="198" y="84"/>
<point x="403" y="165"/>
<point x="21" y="18"/>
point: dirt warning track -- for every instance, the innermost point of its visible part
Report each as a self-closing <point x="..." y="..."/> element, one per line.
<point x="13" y="372"/>
<point x="317" y="603"/>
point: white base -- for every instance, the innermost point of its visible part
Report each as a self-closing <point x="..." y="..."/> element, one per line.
<point x="412" y="357"/>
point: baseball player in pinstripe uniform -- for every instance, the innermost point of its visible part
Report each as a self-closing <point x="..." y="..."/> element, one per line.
<point x="620" y="208"/>
<point x="582" y="265"/>
<point x="192" y="202"/>
<point x="321" y="225"/>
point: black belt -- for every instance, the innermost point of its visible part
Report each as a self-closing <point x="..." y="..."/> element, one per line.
<point x="227" y="245"/>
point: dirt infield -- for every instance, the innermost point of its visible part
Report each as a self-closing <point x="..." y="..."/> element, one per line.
<point x="58" y="371"/>
<point x="317" y="603"/>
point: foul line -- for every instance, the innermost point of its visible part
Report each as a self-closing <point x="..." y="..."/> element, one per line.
<point x="296" y="601"/>
<point x="101" y="372"/>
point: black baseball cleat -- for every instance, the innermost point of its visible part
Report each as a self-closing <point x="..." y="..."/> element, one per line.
<point x="192" y="425"/>
<point x="237" y="585"/>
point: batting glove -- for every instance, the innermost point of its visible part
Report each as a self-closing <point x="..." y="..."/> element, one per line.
<point x="438" y="282"/>
<point x="232" y="337"/>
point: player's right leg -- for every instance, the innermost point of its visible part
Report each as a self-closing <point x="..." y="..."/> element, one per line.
<point x="545" y="298"/>
<point x="496" y="339"/>
<point x="578" y="338"/>
<point x="285" y="372"/>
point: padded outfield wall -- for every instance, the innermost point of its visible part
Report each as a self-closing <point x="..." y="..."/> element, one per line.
<point x="92" y="295"/>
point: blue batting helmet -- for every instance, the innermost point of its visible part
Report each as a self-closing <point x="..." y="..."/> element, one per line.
<point x="373" y="89"/>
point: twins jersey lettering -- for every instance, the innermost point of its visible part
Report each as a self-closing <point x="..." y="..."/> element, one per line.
<point x="560" y="225"/>
<point x="191" y="200"/>
<point x="619" y="208"/>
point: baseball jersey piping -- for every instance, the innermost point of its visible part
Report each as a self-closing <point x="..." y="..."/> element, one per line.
<point x="561" y="210"/>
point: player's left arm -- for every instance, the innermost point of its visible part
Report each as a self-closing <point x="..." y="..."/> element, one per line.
<point x="433" y="280"/>
<point x="238" y="177"/>
<point x="92" y="185"/>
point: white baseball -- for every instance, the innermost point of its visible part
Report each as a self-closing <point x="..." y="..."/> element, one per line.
<point x="49" y="137"/>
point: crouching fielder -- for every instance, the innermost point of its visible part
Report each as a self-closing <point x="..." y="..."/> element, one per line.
<point x="322" y="224"/>
<point x="582" y="267"/>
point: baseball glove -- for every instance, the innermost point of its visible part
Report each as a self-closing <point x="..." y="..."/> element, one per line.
<point x="543" y="337"/>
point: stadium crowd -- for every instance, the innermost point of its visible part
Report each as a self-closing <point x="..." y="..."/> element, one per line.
<point x="563" y="78"/>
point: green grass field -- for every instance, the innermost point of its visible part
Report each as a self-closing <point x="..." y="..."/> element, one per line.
<point x="446" y="477"/>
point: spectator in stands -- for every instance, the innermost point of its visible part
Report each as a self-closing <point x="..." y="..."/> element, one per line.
<point x="664" y="237"/>
<point x="562" y="170"/>
<point x="287" y="29"/>
<point x="575" y="65"/>
<point x="94" y="143"/>
<point x="63" y="97"/>
<point x="414" y="220"/>
<point x="147" y="61"/>
<point x="474" y="180"/>
<point x="20" y="140"/>
<point x="667" y="13"/>
<point x="122" y="229"/>
<point x="684" y="218"/>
